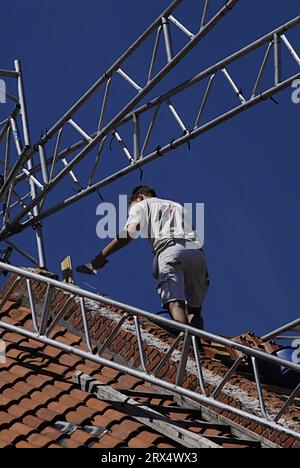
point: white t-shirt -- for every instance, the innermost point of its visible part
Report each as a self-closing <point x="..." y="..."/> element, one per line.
<point x="162" y="220"/>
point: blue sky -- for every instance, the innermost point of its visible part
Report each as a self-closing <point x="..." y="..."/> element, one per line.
<point x="245" y="171"/>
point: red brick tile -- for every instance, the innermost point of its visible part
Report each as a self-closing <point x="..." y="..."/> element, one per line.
<point x="4" y="401"/>
<point x="42" y="398"/>
<point x="108" y="441"/>
<point x="68" y="443"/>
<point x="24" y="445"/>
<point x="87" y="412"/>
<point x="12" y="393"/>
<point x="35" y="422"/>
<point x="97" y="405"/>
<point x="82" y="437"/>
<point x="165" y="446"/>
<point x="22" y="429"/>
<point x="137" y="443"/>
<point x="63" y="385"/>
<point x="56" y="369"/>
<point x="52" y="392"/>
<point x="58" y="408"/>
<point x="18" y="411"/>
<point x="39" y="441"/>
<point x="39" y="381"/>
<point x="120" y="431"/>
<point x="23" y="388"/>
<point x="131" y="426"/>
<point x="7" y="378"/>
<point x="52" y="434"/>
<point x="6" y="419"/>
<point x="70" y="361"/>
<point x="19" y="315"/>
<point x="70" y="339"/>
<point x="114" y="415"/>
<point x="10" y="437"/>
<point x="100" y="420"/>
<point x="76" y="418"/>
<point x="68" y="401"/>
<point x="48" y="415"/>
<point x="79" y="395"/>
<point x="52" y="352"/>
<point x="15" y="353"/>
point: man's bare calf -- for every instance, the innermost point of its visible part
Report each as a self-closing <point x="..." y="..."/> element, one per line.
<point x="186" y="314"/>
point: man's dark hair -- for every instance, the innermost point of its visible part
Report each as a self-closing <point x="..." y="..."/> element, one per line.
<point x="142" y="190"/>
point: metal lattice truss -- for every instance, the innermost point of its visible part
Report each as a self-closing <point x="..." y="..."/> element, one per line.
<point x="288" y="332"/>
<point x="50" y="172"/>
<point x="43" y="325"/>
<point x="14" y="138"/>
<point x="62" y="155"/>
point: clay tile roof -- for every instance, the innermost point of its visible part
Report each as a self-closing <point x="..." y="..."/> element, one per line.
<point x="38" y="397"/>
<point x="46" y="401"/>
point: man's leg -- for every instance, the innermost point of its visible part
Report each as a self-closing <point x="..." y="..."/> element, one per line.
<point x="178" y="312"/>
<point x="196" y="320"/>
<point x="195" y="317"/>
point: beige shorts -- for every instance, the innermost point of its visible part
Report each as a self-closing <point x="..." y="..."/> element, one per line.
<point x="182" y="276"/>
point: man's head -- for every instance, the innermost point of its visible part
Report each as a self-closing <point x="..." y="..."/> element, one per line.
<point x="141" y="193"/>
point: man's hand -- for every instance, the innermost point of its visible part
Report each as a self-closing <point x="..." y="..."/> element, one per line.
<point x="99" y="262"/>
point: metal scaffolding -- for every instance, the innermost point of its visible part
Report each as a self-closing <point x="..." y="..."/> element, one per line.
<point x="43" y="325"/>
<point x="133" y="123"/>
<point x="26" y="185"/>
<point x="13" y="143"/>
<point x="45" y="176"/>
<point x="293" y="328"/>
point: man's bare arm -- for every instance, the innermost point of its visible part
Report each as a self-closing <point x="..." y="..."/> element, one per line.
<point x="124" y="239"/>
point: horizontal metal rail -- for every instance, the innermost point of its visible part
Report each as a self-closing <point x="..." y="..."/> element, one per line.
<point x="290" y="327"/>
<point x="42" y="332"/>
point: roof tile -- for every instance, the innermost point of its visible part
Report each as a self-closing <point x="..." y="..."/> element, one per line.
<point x="83" y="438"/>
<point x="39" y="441"/>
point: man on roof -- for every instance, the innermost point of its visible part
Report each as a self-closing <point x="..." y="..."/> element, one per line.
<point x="179" y="264"/>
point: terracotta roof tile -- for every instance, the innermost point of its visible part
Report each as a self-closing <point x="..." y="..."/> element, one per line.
<point x="100" y="420"/>
<point x="38" y="395"/>
<point x="83" y="438"/>
<point x="22" y="429"/>
<point x="39" y="381"/>
<point x="6" y="419"/>
<point x="35" y="422"/>
<point x="24" y="445"/>
<point x="139" y="442"/>
<point x="109" y="441"/>
<point x="47" y="415"/>
<point x="97" y="405"/>
<point x="52" y="433"/>
<point x="77" y="418"/>
<point x="10" y="437"/>
<point x="66" y="442"/>
<point x="40" y="441"/>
